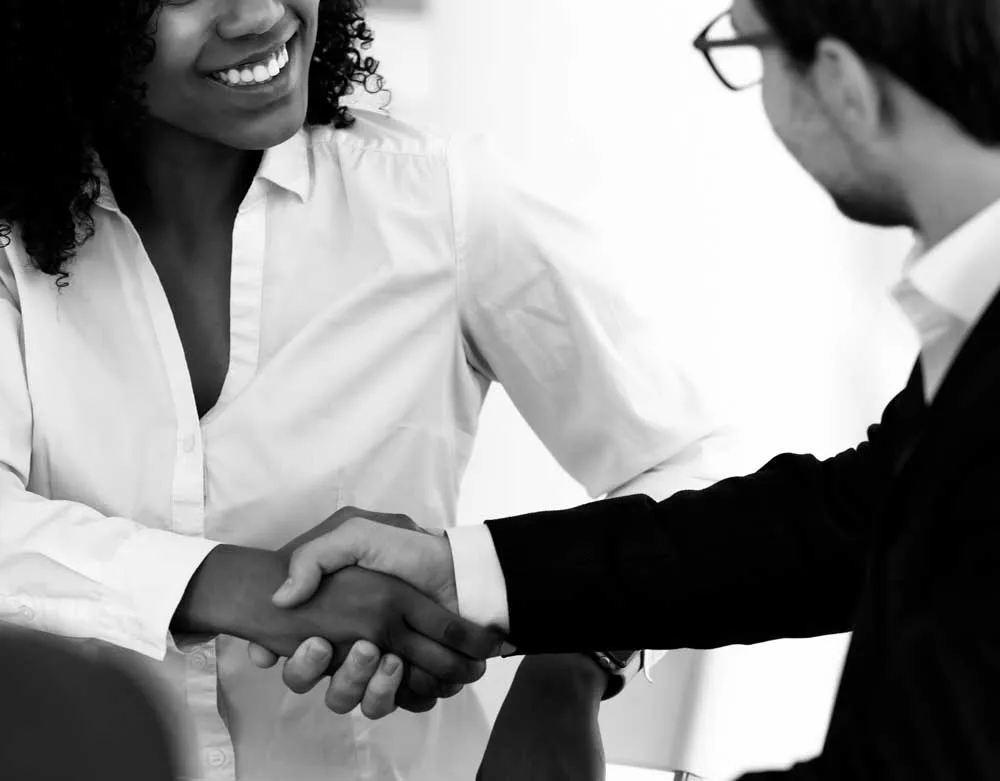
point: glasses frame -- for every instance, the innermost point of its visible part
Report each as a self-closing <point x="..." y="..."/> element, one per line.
<point x="705" y="45"/>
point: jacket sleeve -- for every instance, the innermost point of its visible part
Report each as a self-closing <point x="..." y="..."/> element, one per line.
<point x="779" y="553"/>
<point x="936" y="713"/>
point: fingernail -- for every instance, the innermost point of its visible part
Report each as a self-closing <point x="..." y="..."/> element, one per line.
<point x="283" y="589"/>
<point x="390" y="665"/>
<point x="366" y="653"/>
<point x="316" y="650"/>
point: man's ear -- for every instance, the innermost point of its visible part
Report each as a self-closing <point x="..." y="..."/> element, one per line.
<point x="852" y="92"/>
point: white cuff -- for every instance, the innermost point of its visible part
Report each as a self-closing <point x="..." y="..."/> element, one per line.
<point x="649" y="660"/>
<point x="150" y="573"/>
<point x="479" y="580"/>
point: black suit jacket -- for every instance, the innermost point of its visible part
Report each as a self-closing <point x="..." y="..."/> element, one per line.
<point x="897" y="540"/>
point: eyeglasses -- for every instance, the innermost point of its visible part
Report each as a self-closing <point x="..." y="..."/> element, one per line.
<point x="734" y="58"/>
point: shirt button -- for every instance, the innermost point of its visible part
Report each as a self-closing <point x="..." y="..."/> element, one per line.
<point x="215" y="757"/>
<point x="199" y="661"/>
<point x="188" y="443"/>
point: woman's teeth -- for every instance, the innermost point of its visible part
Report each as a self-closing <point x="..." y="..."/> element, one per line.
<point x="255" y="72"/>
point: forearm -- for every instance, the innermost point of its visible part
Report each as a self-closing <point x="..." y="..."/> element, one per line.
<point x="67" y="569"/>
<point x="573" y="678"/>
<point x="745" y="561"/>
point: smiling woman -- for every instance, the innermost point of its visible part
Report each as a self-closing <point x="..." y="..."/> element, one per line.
<point x="105" y="106"/>
<point x="279" y="308"/>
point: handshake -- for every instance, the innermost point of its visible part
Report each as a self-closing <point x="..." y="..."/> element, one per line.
<point x="359" y="584"/>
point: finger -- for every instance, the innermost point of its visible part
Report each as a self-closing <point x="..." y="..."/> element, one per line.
<point x="444" y="664"/>
<point x="380" y="695"/>
<point x="304" y="669"/>
<point x="413" y="703"/>
<point x="397" y="520"/>
<point x="448" y="629"/>
<point x="261" y="657"/>
<point x="425" y="685"/>
<point x="347" y="686"/>
<point x="341" y="548"/>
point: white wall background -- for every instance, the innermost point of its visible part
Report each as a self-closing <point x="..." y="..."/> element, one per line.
<point x="776" y="304"/>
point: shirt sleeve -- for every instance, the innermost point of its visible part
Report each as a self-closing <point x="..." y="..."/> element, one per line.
<point x="479" y="580"/>
<point x="64" y="567"/>
<point x="543" y="314"/>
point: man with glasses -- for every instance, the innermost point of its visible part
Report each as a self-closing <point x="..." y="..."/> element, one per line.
<point x="891" y="105"/>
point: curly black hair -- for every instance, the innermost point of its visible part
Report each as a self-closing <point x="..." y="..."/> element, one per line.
<point x="70" y="74"/>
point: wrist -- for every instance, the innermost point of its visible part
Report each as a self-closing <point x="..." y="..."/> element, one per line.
<point x="576" y="676"/>
<point x="230" y="594"/>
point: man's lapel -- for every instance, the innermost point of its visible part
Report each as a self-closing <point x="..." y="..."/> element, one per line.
<point x="912" y="415"/>
<point x="967" y="400"/>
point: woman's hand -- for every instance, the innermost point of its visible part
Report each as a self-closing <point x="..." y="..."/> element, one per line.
<point x="361" y="676"/>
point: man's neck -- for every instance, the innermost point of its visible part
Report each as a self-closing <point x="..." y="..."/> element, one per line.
<point x="179" y="182"/>
<point x="951" y="188"/>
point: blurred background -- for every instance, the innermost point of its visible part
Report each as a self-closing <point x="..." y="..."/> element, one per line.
<point x="775" y="303"/>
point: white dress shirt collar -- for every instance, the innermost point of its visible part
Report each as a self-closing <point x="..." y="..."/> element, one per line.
<point x="288" y="165"/>
<point x="962" y="273"/>
<point x="945" y="291"/>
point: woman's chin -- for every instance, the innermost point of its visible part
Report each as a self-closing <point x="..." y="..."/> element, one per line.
<point x="266" y="134"/>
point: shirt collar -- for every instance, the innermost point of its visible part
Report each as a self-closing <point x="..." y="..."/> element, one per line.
<point x="962" y="273"/>
<point x="287" y="165"/>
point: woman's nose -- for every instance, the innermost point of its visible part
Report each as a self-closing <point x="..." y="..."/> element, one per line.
<point x="244" y="18"/>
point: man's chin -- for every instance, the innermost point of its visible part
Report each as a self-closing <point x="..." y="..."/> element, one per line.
<point x="869" y="211"/>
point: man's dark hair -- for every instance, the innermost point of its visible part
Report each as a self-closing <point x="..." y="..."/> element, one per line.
<point x="70" y="73"/>
<point x="948" y="51"/>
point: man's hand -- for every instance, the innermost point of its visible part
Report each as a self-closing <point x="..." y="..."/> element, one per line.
<point x="365" y="678"/>
<point x="547" y="729"/>
<point x="417" y="557"/>
<point x="308" y="658"/>
<point x="355" y="604"/>
<point x="230" y="594"/>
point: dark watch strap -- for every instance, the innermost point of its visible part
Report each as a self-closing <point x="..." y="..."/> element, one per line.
<point x="616" y="666"/>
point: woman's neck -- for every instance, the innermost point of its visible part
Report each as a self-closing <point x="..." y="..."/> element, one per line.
<point x="177" y="181"/>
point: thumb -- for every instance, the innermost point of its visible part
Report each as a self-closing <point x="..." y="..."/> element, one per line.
<point x="327" y="554"/>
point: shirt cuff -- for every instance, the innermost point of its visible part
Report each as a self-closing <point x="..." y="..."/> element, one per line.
<point x="151" y="572"/>
<point x="479" y="580"/>
<point x="649" y="660"/>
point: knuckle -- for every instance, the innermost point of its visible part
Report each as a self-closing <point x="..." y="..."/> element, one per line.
<point x="454" y="632"/>
<point x="342" y="698"/>
<point x="454" y="671"/>
<point x="370" y="711"/>
<point x="294" y="682"/>
<point x="422" y="684"/>
<point x="377" y="707"/>
<point x="422" y="705"/>
<point x="339" y="704"/>
<point x="298" y="556"/>
<point x="476" y="671"/>
<point x="363" y="659"/>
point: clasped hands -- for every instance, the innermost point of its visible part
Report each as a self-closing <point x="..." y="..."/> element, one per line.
<point x="434" y="654"/>
<point x="547" y="729"/>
